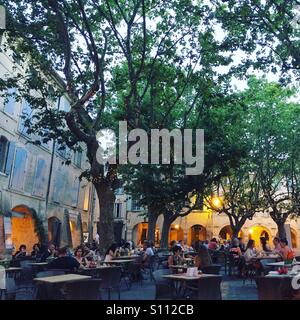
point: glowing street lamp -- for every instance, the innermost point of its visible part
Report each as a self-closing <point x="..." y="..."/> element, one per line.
<point x="216" y="202"/>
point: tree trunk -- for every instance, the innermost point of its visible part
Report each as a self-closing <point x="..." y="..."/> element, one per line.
<point x="281" y="229"/>
<point x="152" y="217"/>
<point x="106" y="198"/>
<point x="235" y="231"/>
<point x="165" y="233"/>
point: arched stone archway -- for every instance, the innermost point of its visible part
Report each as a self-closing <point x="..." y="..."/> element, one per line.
<point x="175" y="233"/>
<point x="139" y="233"/>
<point x="225" y="233"/>
<point x="257" y="231"/>
<point x="196" y="232"/>
<point x="26" y="227"/>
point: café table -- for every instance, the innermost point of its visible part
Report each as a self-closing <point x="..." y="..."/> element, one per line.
<point x="132" y="257"/>
<point x="13" y="272"/>
<point x="55" y="284"/>
<point x="281" y="264"/>
<point x="181" y="279"/>
<point x="93" y="272"/>
<point x="118" y="261"/>
<point x="38" y="266"/>
<point x="266" y="257"/>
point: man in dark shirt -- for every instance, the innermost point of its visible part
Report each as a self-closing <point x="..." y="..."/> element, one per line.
<point x="49" y="252"/>
<point x="64" y="261"/>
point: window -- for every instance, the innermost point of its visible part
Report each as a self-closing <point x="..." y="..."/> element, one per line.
<point x="64" y="104"/>
<point x="3" y="152"/>
<point x="86" y="198"/>
<point x="40" y="179"/>
<point x="63" y="150"/>
<point x="25" y="119"/>
<point x="75" y="192"/>
<point x="10" y="103"/>
<point x="135" y="205"/>
<point x="118" y="210"/>
<point x="9" y="158"/>
<point x="78" y="158"/>
<point x="19" y="167"/>
<point x="58" y="187"/>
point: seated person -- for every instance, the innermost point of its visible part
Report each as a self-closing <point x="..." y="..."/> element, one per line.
<point x="175" y="259"/>
<point x="64" y="261"/>
<point x="287" y="253"/>
<point x="148" y="253"/>
<point x="235" y="250"/>
<point x="250" y="252"/>
<point x="203" y="258"/>
<point x="213" y="244"/>
<point x="50" y="252"/>
<point x="264" y="244"/>
<point x="78" y="256"/>
<point x="21" y="253"/>
<point x="111" y="252"/>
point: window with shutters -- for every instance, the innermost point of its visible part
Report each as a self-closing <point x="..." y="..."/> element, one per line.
<point x="10" y="101"/>
<point x="25" y="118"/>
<point x="75" y="192"/>
<point x="78" y="158"/>
<point x="40" y="179"/>
<point x="3" y="152"/>
<point x="19" y="167"/>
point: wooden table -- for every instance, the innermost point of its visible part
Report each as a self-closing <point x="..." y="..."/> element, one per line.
<point x="62" y="278"/>
<point x="38" y="266"/>
<point x="270" y="257"/>
<point x="54" y="284"/>
<point x="118" y="261"/>
<point x="127" y="257"/>
<point x="182" y="277"/>
<point x="281" y="264"/>
<point x="14" y="271"/>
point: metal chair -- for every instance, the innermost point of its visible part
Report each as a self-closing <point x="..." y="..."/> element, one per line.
<point x="49" y="273"/>
<point x="206" y="288"/>
<point x="26" y="292"/>
<point x="212" y="269"/>
<point x="164" y="288"/>
<point x="110" y="279"/>
<point x="84" y="290"/>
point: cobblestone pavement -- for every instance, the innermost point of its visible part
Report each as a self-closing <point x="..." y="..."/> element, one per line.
<point x="231" y="288"/>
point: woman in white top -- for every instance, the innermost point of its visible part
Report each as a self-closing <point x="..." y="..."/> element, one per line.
<point x="110" y="253"/>
<point x="250" y="252"/>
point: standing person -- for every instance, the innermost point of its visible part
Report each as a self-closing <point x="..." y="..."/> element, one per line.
<point x="287" y="253"/>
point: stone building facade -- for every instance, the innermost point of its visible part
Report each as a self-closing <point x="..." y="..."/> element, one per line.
<point x="204" y="225"/>
<point x="35" y="203"/>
